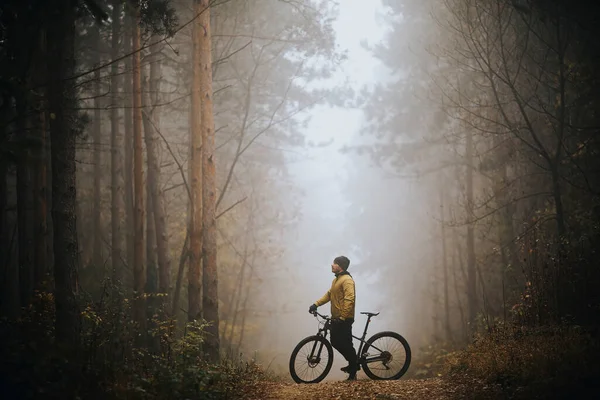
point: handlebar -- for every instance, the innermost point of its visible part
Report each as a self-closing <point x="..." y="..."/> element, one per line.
<point x="315" y="313"/>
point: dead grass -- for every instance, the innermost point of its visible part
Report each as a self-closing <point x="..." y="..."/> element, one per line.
<point x="547" y="362"/>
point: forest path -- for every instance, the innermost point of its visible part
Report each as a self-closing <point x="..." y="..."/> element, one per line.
<point x="410" y="389"/>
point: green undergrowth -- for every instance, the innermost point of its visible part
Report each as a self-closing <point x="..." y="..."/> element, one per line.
<point x="113" y="360"/>
<point x="542" y="362"/>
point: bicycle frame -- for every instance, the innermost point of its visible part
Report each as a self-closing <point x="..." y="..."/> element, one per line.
<point x="359" y="355"/>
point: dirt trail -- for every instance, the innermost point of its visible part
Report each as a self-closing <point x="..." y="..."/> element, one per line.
<point x="411" y="389"/>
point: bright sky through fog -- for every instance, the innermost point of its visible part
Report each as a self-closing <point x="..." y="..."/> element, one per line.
<point x="322" y="173"/>
<point x="357" y="23"/>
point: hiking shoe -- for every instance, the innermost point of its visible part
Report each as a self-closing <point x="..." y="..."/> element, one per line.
<point x="352" y="377"/>
<point x="347" y="370"/>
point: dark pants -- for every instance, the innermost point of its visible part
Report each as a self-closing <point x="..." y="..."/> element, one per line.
<point x="341" y="340"/>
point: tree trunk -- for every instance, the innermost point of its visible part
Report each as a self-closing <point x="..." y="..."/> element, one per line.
<point x="210" y="279"/>
<point x="151" y="276"/>
<point x="158" y="203"/>
<point x="9" y="289"/>
<point x="115" y="150"/>
<point x="471" y="267"/>
<point x="234" y="301"/>
<point x="61" y="103"/>
<point x="151" y="264"/>
<point x="97" y="137"/>
<point x="245" y="308"/>
<point x="196" y="201"/>
<point x="128" y="145"/>
<point x="183" y="259"/>
<point x="151" y="246"/>
<point x="458" y="292"/>
<point x="558" y="203"/>
<point x="24" y="211"/>
<point x="139" y="278"/>
<point x="447" y="328"/>
<point x="41" y="178"/>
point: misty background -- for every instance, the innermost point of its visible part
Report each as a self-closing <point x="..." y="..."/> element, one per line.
<point x="336" y="187"/>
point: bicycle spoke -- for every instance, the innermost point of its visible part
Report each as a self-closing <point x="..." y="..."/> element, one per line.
<point x="307" y="369"/>
<point x="393" y="352"/>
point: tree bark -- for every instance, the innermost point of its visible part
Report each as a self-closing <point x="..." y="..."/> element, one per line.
<point x="210" y="279"/>
<point x="24" y="210"/>
<point x="128" y="139"/>
<point x="9" y="289"/>
<point x="158" y="202"/>
<point x="151" y="240"/>
<point x="115" y="150"/>
<point x="139" y="278"/>
<point x="196" y="201"/>
<point x="471" y="267"/>
<point x="151" y="272"/>
<point x="61" y="103"/>
<point x="234" y="302"/>
<point x="447" y="328"/>
<point x="40" y="181"/>
<point x="183" y="260"/>
<point x="97" y="137"/>
<point x="558" y="203"/>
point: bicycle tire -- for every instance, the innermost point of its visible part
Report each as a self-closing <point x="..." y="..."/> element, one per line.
<point x="304" y="341"/>
<point x="407" y="351"/>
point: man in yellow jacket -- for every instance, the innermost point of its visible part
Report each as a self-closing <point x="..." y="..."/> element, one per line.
<point x="342" y="297"/>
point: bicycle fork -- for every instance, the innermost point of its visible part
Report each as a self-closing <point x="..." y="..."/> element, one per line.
<point x="315" y="359"/>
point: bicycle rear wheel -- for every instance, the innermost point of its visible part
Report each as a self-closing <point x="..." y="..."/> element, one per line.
<point x="386" y="356"/>
<point x="311" y="360"/>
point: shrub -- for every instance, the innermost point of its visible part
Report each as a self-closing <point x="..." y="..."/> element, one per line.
<point x="114" y="360"/>
<point x="548" y="360"/>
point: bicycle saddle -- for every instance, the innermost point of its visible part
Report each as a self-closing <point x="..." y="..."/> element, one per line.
<point x="370" y="314"/>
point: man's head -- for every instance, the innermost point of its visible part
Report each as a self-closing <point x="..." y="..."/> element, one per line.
<point x="340" y="264"/>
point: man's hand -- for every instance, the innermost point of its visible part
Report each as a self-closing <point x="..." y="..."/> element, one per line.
<point x="312" y="308"/>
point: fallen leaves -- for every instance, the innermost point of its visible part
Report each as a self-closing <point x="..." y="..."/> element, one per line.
<point x="410" y="389"/>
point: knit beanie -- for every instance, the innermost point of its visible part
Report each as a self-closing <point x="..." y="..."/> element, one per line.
<point x="342" y="261"/>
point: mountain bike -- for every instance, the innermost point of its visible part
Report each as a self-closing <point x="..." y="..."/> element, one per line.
<point x="312" y="358"/>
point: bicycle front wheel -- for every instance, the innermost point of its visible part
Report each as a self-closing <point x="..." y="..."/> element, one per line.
<point x="386" y="356"/>
<point x="311" y="360"/>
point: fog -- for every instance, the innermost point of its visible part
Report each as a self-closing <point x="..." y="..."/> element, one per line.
<point x="336" y="189"/>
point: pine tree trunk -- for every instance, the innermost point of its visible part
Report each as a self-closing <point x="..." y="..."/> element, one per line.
<point x="24" y="211"/>
<point x="210" y="279"/>
<point x="9" y="289"/>
<point x="97" y="137"/>
<point x="196" y="201"/>
<point x="115" y="150"/>
<point x="471" y="267"/>
<point x="458" y="292"/>
<point x="447" y="328"/>
<point x="151" y="247"/>
<point x="128" y="142"/>
<point x="234" y="302"/>
<point x="158" y="202"/>
<point x="61" y="103"/>
<point x="151" y="273"/>
<point x="139" y="277"/>
<point x="41" y="178"/>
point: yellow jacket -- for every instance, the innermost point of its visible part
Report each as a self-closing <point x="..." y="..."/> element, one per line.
<point x="341" y="295"/>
